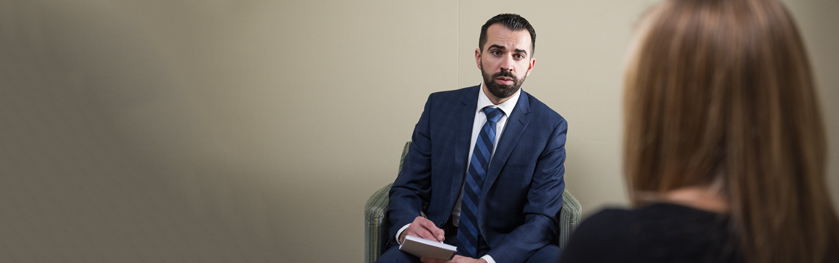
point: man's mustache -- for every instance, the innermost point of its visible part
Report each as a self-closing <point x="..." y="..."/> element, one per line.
<point x="505" y="74"/>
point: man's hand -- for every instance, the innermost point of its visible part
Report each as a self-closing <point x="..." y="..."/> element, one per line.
<point x="456" y="259"/>
<point x="423" y="228"/>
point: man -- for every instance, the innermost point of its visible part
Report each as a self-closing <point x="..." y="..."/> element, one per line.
<point x="486" y="163"/>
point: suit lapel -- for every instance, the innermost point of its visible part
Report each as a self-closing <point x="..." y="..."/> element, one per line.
<point x="465" y="119"/>
<point x="516" y="124"/>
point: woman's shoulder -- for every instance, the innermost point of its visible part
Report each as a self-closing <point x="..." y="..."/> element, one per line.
<point x="652" y="233"/>
<point x="609" y="218"/>
<point x="650" y="216"/>
<point x="600" y="238"/>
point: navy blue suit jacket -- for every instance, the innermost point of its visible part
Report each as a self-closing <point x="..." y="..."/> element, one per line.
<point x="522" y="194"/>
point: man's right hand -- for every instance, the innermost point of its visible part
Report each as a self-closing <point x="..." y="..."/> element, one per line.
<point x="423" y="228"/>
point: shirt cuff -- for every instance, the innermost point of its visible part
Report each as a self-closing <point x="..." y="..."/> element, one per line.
<point x="488" y="258"/>
<point x="399" y="233"/>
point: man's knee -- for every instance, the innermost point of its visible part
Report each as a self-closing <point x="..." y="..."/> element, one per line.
<point x="393" y="254"/>
<point x="549" y="253"/>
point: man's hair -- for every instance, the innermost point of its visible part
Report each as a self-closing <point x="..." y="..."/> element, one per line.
<point x="512" y="22"/>
<point x="721" y="93"/>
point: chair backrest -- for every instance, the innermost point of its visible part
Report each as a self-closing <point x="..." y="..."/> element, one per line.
<point x="376" y="227"/>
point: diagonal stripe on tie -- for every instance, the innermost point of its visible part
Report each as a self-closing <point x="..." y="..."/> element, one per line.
<point x="468" y="231"/>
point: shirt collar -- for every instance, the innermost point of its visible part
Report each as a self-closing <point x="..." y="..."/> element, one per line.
<point x="506" y="107"/>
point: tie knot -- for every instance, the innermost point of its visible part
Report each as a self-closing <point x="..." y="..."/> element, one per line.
<point x="493" y="114"/>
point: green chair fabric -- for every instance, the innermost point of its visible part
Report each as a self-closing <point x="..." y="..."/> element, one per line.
<point x="375" y="227"/>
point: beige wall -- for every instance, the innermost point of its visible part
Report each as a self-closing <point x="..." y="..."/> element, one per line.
<point x="252" y="131"/>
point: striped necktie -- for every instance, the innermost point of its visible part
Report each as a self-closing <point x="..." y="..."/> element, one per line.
<point x="467" y="232"/>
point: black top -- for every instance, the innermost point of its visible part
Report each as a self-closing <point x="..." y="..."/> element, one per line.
<point x="659" y="232"/>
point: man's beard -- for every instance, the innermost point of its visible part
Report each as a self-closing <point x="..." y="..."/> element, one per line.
<point x="499" y="90"/>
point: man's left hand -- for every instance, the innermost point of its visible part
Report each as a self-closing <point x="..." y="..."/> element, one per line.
<point x="456" y="259"/>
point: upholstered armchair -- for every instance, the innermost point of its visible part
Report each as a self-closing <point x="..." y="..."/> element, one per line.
<point x="375" y="227"/>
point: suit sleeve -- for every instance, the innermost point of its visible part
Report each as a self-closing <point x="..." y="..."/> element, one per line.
<point x="411" y="190"/>
<point x="544" y="202"/>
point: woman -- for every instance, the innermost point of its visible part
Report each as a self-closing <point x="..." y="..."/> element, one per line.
<point x="724" y="143"/>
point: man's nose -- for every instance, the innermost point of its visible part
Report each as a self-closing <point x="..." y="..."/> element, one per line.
<point x="507" y="64"/>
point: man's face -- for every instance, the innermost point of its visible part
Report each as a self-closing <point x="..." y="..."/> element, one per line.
<point x="505" y="61"/>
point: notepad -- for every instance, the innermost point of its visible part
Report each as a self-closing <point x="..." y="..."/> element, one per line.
<point x="427" y="248"/>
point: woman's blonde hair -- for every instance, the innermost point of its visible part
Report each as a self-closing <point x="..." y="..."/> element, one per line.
<point x="720" y="92"/>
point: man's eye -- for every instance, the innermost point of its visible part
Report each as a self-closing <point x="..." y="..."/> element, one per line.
<point x="495" y="53"/>
<point x="518" y="56"/>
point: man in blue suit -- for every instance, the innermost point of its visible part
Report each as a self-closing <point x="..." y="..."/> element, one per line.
<point x="496" y="201"/>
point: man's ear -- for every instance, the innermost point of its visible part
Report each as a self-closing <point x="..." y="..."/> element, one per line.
<point x="530" y="67"/>
<point x="478" y="57"/>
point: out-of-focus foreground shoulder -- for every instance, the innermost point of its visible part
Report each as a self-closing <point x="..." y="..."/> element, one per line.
<point x="602" y="237"/>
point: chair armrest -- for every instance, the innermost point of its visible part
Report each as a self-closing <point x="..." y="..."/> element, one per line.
<point x="374" y="227"/>
<point x="569" y="217"/>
